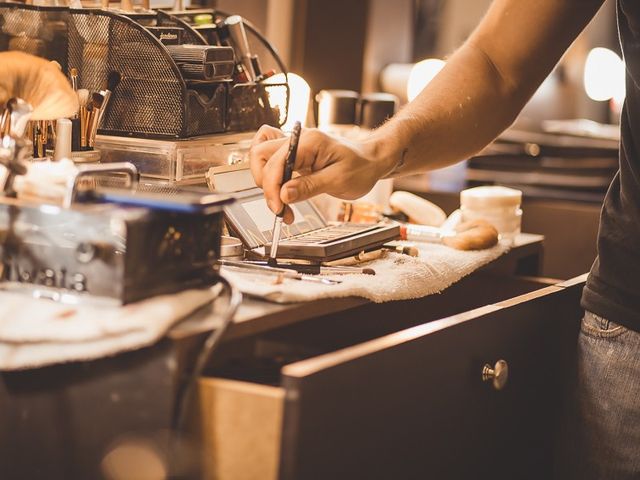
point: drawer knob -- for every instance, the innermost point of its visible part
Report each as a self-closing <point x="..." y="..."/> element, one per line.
<point x="499" y="374"/>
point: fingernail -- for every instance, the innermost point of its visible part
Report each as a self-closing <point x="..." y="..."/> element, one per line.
<point x="292" y="193"/>
<point x="271" y="204"/>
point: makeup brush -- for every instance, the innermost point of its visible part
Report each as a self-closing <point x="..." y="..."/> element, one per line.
<point x="38" y="82"/>
<point x="74" y="78"/>
<point x="83" y="99"/>
<point x="78" y="121"/>
<point x="97" y="101"/>
<point x="113" y="80"/>
<point x="472" y="235"/>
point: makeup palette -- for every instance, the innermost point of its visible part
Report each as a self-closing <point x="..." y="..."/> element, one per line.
<point x="309" y="237"/>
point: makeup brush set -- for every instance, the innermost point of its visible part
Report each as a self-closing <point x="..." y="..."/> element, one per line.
<point x="92" y="106"/>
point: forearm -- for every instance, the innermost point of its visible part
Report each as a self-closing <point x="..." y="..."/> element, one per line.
<point x="477" y="95"/>
<point x="483" y="86"/>
<point x="462" y="110"/>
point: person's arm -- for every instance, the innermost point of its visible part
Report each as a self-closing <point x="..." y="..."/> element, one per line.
<point x="478" y="94"/>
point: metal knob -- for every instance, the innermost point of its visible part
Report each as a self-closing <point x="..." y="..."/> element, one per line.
<point x="499" y="374"/>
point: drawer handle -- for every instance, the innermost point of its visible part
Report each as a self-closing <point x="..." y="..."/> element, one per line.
<point x="499" y="374"/>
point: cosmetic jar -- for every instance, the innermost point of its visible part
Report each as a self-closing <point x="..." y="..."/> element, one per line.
<point x="499" y="206"/>
<point x="231" y="248"/>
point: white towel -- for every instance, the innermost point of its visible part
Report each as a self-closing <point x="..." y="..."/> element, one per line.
<point x="398" y="277"/>
<point x="35" y="333"/>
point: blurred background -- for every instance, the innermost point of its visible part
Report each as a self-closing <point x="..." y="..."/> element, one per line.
<point x="348" y="45"/>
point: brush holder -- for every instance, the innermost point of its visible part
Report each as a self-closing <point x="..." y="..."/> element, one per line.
<point x="153" y="99"/>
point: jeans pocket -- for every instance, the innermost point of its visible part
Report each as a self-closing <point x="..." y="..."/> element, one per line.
<point x="596" y="326"/>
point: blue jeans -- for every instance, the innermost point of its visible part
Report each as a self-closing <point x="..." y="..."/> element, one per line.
<point x="605" y="435"/>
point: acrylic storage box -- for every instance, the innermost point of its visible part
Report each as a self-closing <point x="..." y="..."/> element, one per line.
<point x="182" y="162"/>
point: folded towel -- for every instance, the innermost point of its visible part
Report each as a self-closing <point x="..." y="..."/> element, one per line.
<point x="398" y="277"/>
<point x="34" y="333"/>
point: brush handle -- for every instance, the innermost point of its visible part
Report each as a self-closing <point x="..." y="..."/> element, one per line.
<point x="105" y="102"/>
<point x="83" y="127"/>
<point x="238" y="36"/>
<point x="94" y="119"/>
<point x="75" y="134"/>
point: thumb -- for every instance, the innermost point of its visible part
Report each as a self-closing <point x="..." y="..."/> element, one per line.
<point x="306" y="186"/>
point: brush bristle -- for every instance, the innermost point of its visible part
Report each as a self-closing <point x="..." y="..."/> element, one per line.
<point x="83" y="97"/>
<point x="74" y="72"/>
<point x="97" y="99"/>
<point x="38" y="82"/>
<point x="113" y="80"/>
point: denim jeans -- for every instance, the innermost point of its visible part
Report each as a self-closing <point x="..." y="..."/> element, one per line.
<point x="605" y="432"/>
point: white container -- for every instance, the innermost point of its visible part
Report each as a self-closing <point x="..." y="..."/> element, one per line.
<point x="499" y="206"/>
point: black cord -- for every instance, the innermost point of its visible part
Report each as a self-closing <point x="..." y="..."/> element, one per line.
<point x="253" y="29"/>
<point x="188" y="387"/>
<point x="204" y="356"/>
<point x="271" y="49"/>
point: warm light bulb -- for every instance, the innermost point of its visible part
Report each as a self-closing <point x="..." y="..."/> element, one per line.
<point x="299" y="93"/>
<point x="421" y="74"/>
<point x="604" y="75"/>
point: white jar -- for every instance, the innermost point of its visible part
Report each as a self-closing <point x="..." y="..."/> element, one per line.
<point x="499" y="206"/>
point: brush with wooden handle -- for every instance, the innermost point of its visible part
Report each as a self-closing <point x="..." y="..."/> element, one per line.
<point x="473" y="235"/>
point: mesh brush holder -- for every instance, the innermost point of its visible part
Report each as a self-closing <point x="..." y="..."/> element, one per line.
<point x="152" y="99"/>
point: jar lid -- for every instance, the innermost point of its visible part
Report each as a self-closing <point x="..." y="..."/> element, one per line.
<point x="231" y="247"/>
<point x="493" y="196"/>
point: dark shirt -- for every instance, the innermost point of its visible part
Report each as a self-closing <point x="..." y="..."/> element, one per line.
<point x="613" y="286"/>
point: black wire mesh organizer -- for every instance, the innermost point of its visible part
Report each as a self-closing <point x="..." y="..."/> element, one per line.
<point x="152" y="100"/>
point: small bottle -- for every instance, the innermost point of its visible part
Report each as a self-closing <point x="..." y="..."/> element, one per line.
<point x="498" y="205"/>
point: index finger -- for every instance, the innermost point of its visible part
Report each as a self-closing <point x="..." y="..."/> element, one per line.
<point x="265" y="133"/>
<point x="260" y="154"/>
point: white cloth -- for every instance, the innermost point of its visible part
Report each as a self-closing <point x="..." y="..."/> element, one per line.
<point x="35" y="333"/>
<point x="398" y="277"/>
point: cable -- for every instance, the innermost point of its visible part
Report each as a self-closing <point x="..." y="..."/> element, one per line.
<point x="270" y="48"/>
<point x="187" y="388"/>
<point x="253" y="29"/>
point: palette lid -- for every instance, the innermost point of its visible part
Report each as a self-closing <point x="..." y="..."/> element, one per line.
<point x="251" y="220"/>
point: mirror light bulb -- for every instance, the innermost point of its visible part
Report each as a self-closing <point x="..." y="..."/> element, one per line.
<point x="421" y="74"/>
<point x="604" y="75"/>
<point x="299" y="94"/>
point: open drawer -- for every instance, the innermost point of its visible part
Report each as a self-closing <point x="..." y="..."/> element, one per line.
<point x="377" y="393"/>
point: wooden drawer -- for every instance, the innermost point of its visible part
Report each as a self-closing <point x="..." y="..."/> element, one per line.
<point x="408" y="404"/>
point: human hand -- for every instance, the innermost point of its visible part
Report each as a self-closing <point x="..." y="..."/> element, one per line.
<point x="326" y="165"/>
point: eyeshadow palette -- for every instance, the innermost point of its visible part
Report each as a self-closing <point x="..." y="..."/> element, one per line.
<point x="309" y="237"/>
